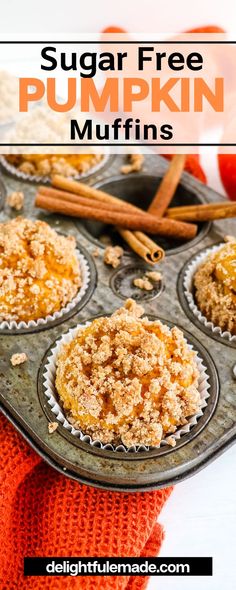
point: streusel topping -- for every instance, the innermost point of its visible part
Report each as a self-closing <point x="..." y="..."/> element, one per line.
<point x="39" y="270"/>
<point x="215" y="284"/>
<point x="127" y="379"/>
<point x="49" y="164"/>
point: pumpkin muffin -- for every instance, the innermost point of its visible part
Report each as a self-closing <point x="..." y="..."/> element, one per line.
<point x="48" y="164"/>
<point x="39" y="270"/>
<point x="215" y="287"/>
<point x="125" y="379"/>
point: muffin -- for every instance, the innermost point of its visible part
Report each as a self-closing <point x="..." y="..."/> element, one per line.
<point x="215" y="287"/>
<point x="125" y="379"/>
<point x="39" y="270"/>
<point x="48" y="164"/>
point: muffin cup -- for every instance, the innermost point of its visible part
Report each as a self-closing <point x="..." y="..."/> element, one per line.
<point x="38" y="179"/>
<point x="85" y="275"/>
<point x="189" y="293"/>
<point x="49" y="376"/>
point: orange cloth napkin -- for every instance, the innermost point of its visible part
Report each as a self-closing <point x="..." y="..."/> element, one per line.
<point x="46" y="514"/>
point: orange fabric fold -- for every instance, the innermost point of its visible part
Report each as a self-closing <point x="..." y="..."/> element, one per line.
<point x="46" y="514"/>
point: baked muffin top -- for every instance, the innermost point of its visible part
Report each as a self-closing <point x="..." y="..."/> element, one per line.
<point x="49" y="164"/>
<point x="215" y="284"/>
<point x="128" y="380"/>
<point x="39" y="270"/>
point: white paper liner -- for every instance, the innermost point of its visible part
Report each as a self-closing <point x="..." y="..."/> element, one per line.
<point x="49" y="376"/>
<point x="189" y="293"/>
<point x="85" y="276"/>
<point x="46" y="179"/>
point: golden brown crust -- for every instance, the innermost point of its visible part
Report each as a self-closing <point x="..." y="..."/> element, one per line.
<point x="126" y="379"/>
<point x="215" y="287"/>
<point x="39" y="270"/>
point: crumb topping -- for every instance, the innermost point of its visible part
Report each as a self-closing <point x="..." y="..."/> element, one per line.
<point x="49" y="164"/>
<point x="112" y="255"/>
<point x="39" y="270"/>
<point x="18" y="358"/>
<point x="127" y="379"/>
<point x="15" y="200"/>
<point x="215" y="285"/>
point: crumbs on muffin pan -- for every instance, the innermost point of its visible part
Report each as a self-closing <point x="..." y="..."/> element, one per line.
<point x="52" y="426"/>
<point x="18" y="358"/>
<point x="112" y="255"/>
<point x="15" y="200"/>
<point x="143" y="283"/>
<point x="154" y="275"/>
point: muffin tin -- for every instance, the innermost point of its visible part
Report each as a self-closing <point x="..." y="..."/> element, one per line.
<point x="22" y="394"/>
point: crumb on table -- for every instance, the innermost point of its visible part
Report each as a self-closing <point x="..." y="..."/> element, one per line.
<point x="143" y="283"/>
<point x="52" y="426"/>
<point x="112" y="255"/>
<point x="18" y="358"/>
<point x="15" y="200"/>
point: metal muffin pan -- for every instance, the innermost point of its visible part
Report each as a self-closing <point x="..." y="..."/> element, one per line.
<point x="21" y="387"/>
<point x="139" y="189"/>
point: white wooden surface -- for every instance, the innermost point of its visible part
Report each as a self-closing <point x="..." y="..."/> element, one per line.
<point x="200" y="520"/>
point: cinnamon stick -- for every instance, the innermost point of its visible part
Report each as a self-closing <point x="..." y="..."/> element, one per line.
<point x="168" y="185"/>
<point x="145" y="247"/>
<point x="126" y="220"/>
<point x="85" y="190"/>
<point x="206" y="212"/>
<point x="80" y="200"/>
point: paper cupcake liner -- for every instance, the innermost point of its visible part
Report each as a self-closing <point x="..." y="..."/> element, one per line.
<point x="13" y="171"/>
<point x="189" y="293"/>
<point x="49" y="376"/>
<point x="85" y="275"/>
